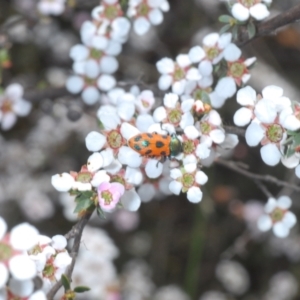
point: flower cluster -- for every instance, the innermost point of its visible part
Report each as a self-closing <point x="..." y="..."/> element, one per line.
<point x="12" y="105"/>
<point x="274" y="122"/>
<point x="242" y="10"/>
<point x="17" y="269"/>
<point x="192" y="74"/>
<point x="146" y="13"/>
<point x="94" y="60"/>
<point x="51" y="259"/>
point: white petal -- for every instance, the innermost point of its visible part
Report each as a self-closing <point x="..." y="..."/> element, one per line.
<point x="284" y="202"/>
<point x="74" y="84"/>
<point x="159" y="114"/>
<point x="270" y="205"/>
<point x="165" y="66"/>
<point x="59" y="242"/>
<point x="126" y="110"/>
<point x="92" y="68"/>
<point x="178" y="87"/>
<point x="183" y="60"/>
<point x="99" y="177"/>
<point x="264" y="223"/>
<point x="196" y="54"/>
<point x="217" y="135"/>
<point x="23" y="236"/>
<point x="291" y="123"/>
<point x="175" y="187"/>
<point x="289" y="219"/>
<point x="128" y="156"/>
<point x="232" y="53"/>
<point x="280" y="230"/>
<point x="194" y="194"/>
<point x="79" y="52"/>
<point x="259" y="11"/>
<point x="95" y="162"/>
<point x="202" y="151"/>
<point x="128" y="131"/>
<point x="254" y="134"/>
<point x="211" y="39"/>
<point x="106" y="82"/>
<point x="153" y="168"/>
<point x="175" y="173"/>
<point x="205" y="68"/>
<point x="133" y="176"/>
<point x="187" y="119"/>
<point x="3" y="228"/>
<point x="191" y="132"/>
<point x="22" y="267"/>
<point x="90" y="95"/>
<point x="242" y="116"/>
<point x="8" y="120"/>
<point x="3" y="275"/>
<point x="22" y="108"/>
<point x="290" y="162"/>
<point x="224" y="40"/>
<point x="22" y="288"/>
<point x="272" y="92"/>
<point x="62" y="182"/>
<point x="95" y="141"/>
<point x="155" y="16"/>
<point x="216" y="100"/>
<point x="201" y="177"/>
<point x="164" y="82"/>
<point x="141" y="25"/>
<point x="38" y="295"/>
<point x="131" y="200"/>
<point x="226" y="87"/>
<point x="14" y="91"/>
<point x="246" y="96"/>
<point x="270" y="154"/>
<point x="193" y="74"/>
<point x="297" y="171"/>
<point x="240" y="12"/>
<point x="109" y="64"/>
<point x="143" y="122"/>
<point x="170" y="100"/>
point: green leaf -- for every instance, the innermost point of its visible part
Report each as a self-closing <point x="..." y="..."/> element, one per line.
<point x="235" y="31"/>
<point x="84" y="202"/>
<point x="225" y="19"/>
<point x="65" y="282"/>
<point x="81" y="289"/>
<point x="100" y="213"/>
<point x="296" y="142"/>
<point x="225" y="28"/>
<point x="205" y="98"/>
<point x="251" y="30"/>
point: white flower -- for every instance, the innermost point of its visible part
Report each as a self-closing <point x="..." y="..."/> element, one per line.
<point x="242" y="10"/>
<point x="277" y="216"/>
<point x="146" y="13"/>
<point x="176" y="74"/>
<point x="12" y="105"/>
<point x="187" y="183"/>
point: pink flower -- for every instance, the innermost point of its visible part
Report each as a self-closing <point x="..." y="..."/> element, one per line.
<point x="109" y="195"/>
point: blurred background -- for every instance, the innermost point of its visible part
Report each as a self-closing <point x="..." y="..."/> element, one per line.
<point x="169" y="249"/>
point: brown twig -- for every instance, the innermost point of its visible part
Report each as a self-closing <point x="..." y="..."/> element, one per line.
<point x="47" y="93"/>
<point x="290" y="16"/>
<point x="235" y="130"/>
<point x="76" y="232"/>
<point x="267" y="178"/>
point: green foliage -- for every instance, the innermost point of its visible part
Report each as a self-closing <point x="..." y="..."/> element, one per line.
<point x="65" y="282"/>
<point x="251" y="30"/>
<point x="81" y="289"/>
<point x="84" y="202"/>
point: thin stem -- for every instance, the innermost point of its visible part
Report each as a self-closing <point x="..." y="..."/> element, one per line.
<point x="267" y="178"/>
<point x="76" y="232"/>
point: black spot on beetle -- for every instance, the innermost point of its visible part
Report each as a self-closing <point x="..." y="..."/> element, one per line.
<point x="150" y="135"/>
<point x="148" y="152"/>
<point x="163" y="153"/>
<point x="137" y="138"/>
<point x="159" y="144"/>
<point x="137" y="147"/>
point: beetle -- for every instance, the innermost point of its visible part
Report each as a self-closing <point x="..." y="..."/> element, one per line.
<point x="155" y="145"/>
